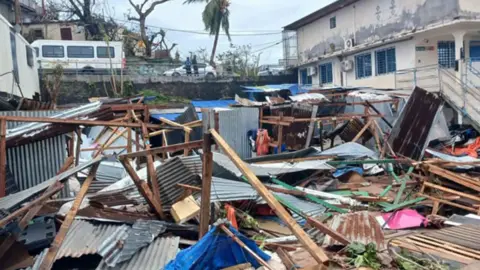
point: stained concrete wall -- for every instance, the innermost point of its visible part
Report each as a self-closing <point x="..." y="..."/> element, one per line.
<point x="371" y="20"/>
<point x="77" y="89"/>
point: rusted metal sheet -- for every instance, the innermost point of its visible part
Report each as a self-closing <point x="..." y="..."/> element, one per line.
<point x="359" y="227"/>
<point x="352" y="128"/>
<point x="409" y="136"/>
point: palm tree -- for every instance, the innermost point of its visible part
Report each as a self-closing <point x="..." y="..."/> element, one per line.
<point x="215" y="16"/>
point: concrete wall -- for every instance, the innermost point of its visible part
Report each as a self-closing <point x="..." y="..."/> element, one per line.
<point x="469" y="8"/>
<point x="52" y="30"/>
<point x="28" y="76"/>
<point x="371" y="20"/>
<point x="77" y="89"/>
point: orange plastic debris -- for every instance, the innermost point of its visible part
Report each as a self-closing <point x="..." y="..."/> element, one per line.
<point x="262" y="142"/>
<point x="470" y="150"/>
<point x="231" y="215"/>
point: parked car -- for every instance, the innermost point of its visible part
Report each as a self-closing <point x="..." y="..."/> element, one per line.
<point x="270" y="70"/>
<point x="203" y="70"/>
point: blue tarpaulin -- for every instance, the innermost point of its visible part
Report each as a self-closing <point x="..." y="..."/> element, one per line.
<point x="345" y="170"/>
<point x="213" y="103"/>
<point x="294" y="88"/>
<point x="216" y="250"/>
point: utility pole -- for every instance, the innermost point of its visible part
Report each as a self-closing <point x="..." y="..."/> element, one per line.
<point x="17" y="12"/>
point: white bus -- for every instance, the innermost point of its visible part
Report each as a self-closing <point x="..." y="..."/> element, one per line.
<point x="79" y="56"/>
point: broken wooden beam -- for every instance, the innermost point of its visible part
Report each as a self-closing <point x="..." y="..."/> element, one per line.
<point x="165" y="149"/>
<point x="207" y="170"/>
<point x="324" y="229"/>
<point x="286" y="259"/>
<point x="241" y="244"/>
<point x="144" y="189"/>
<point x="175" y="124"/>
<point x="49" y="258"/>
<point x="317" y="253"/>
<point x="38" y="201"/>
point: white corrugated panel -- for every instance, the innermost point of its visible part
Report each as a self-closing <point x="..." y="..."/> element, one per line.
<point x="234" y="125"/>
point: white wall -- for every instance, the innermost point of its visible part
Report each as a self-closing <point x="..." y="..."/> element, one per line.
<point x="469" y="6"/>
<point x="28" y="76"/>
<point x="371" y="20"/>
<point x="405" y="58"/>
<point x="52" y="30"/>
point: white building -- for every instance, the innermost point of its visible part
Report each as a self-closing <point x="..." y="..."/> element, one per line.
<point x="18" y="68"/>
<point x="367" y="42"/>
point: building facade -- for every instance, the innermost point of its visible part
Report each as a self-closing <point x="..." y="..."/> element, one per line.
<point x="30" y="10"/>
<point x="55" y="30"/>
<point x="375" y="42"/>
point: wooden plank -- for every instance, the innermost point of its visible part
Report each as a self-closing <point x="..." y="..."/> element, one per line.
<point x="114" y="136"/>
<point x="175" y="124"/>
<point x="286" y="259"/>
<point x="471" y="209"/>
<point x="476" y="252"/>
<point x="445" y="245"/>
<point x="239" y="242"/>
<point x="294" y="160"/>
<point x="3" y="158"/>
<point x="460" y="179"/>
<point x="317" y="253"/>
<point x="170" y="148"/>
<point x="207" y="170"/>
<point x="144" y="189"/>
<point x="38" y="201"/>
<point x="197" y="123"/>
<point x="311" y="127"/>
<point x="439" y="253"/>
<point x="193" y="188"/>
<point x="152" y="174"/>
<point x="49" y="259"/>
<point x="324" y="229"/>
<point x="360" y="133"/>
<point x="186" y="151"/>
<point x="280" y="137"/>
<point x="451" y="191"/>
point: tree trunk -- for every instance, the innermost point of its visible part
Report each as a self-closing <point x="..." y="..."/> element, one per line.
<point x="214" y="49"/>
<point x="143" y="33"/>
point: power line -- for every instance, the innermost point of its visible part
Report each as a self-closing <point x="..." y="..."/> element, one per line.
<point x="199" y="32"/>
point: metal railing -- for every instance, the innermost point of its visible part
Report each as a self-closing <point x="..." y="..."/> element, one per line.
<point x="425" y="77"/>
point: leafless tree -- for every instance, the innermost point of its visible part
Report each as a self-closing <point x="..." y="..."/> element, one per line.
<point x="141" y="18"/>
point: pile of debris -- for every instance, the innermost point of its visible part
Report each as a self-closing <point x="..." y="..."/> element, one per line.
<point x="341" y="180"/>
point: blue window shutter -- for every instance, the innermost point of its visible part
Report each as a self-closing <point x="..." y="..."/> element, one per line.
<point x="330" y="73"/>
<point x="446" y="54"/>
<point x="381" y="60"/>
<point x="368" y="65"/>
<point x="391" y="60"/>
<point x="326" y="73"/>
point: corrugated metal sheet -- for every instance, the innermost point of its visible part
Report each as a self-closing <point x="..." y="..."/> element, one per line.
<point x="359" y="227"/>
<point x="465" y="235"/>
<point x="141" y="234"/>
<point x="409" y="136"/>
<point x="193" y="163"/>
<point x="19" y="197"/>
<point x="154" y="257"/>
<point x="12" y="124"/>
<point x="85" y="238"/>
<point x="224" y="162"/>
<point x="29" y="129"/>
<point x="169" y="174"/>
<point x="309" y="97"/>
<point x="234" y="125"/>
<point x="35" y="162"/>
<point x="227" y="190"/>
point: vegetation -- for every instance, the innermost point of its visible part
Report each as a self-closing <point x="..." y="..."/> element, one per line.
<point x="215" y="17"/>
<point x="361" y="255"/>
<point x="53" y="83"/>
<point x="406" y="261"/>
<point x="162" y="99"/>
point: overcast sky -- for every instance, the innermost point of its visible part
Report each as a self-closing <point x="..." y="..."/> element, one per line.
<point x="245" y="15"/>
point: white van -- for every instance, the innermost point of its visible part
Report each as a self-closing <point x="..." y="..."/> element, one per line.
<point x="79" y="56"/>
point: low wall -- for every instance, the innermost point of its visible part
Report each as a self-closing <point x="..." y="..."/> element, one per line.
<point x="78" y="88"/>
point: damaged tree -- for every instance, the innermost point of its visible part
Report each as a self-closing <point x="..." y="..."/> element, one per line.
<point x="141" y="18"/>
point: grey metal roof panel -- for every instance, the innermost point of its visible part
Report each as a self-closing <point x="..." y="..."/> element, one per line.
<point x="169" y="174"/>
<point x="193" y="163"/>
<point x="141" y="234"/>
<point x="85" y="238"/>
<point x="30" y="129"/>
<point x="225" y="162"/>
<point x="309" y="208"/>
<point x="22" y="196"/>
<point x="285" y="155"/>
<point x="349" y="149"/>
<point x="153" y="257"/>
